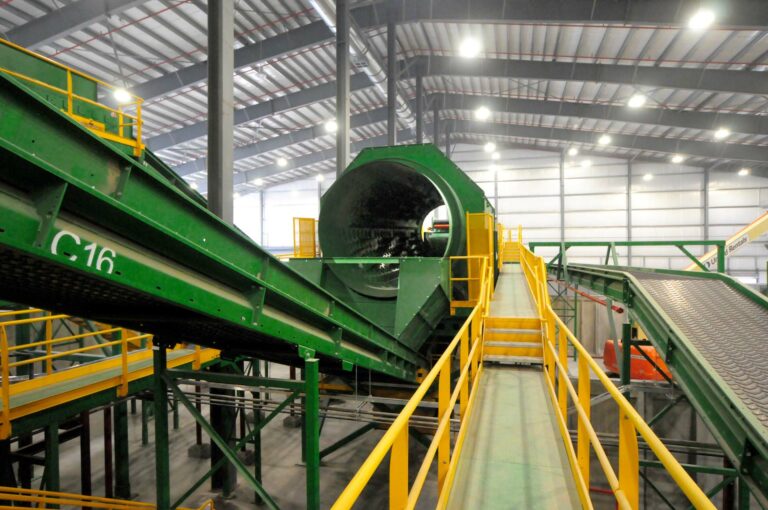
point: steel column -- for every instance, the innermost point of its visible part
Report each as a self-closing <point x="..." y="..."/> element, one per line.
<point x="562" y="196"/>
<point x="629" y="211"/>
<point x="109" y="485"/>
<point x="312" y="431"/>
<point x="391" y="79"/>
<point x="223" y="420"/>
<point x="342" y="85"/>
<point x="705" y="205"/>
<point x="162" y="464"/>
<point x="419" y="108"/>
<point x="447" y="139"/>
<point x="435" y="121"/>
<point x="85" y="454"/>
<point x="221" y="36"/>
<point x="52" y="480"/>
<point x="122" y="453"/>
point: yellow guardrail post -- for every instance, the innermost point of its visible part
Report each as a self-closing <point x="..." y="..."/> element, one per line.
<point x="463" y="360"/>
<point x="398" y="471"/>
<point x="122" y="391"/>
<point x="49" y="344"/>
<point x="444" y="441"/>
<point x="585" y="400"/>
<point x="5" y="373"/>
<point x="562" y="389"/>
<point x="629" y="461"/>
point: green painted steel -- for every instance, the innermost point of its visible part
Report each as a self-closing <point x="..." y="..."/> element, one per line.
<point x="87" y="230"/>
<point x="737" y="421"/>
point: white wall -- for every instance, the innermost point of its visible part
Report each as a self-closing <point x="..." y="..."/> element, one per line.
<point x="526" y="190"/>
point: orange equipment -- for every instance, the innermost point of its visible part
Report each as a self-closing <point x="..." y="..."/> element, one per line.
<point x="639" y="367"/>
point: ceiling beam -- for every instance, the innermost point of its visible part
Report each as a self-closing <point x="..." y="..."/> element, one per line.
<point x="733" y="13"/>
<point x="713" y="80"/>
<point x="66" y="20"/>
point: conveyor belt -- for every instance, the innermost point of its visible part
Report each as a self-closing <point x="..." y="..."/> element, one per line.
<point x="712" y="332"/>
<point x="727" y="328"/>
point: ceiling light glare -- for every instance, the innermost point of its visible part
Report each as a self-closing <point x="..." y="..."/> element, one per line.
<point x="470" y="47"/>
<point x="604" y="140"/>
<point x="648" y="177"/>
<point x="677" y="159"/>
<point x="722" y="133"/>
<point x="495" y="156"/>
<point x="122" y="96"/>
<point x="258" y="182"/>
<point x="744" y="172"/>
<point x="193" y="185"/>
<point x="482" y="113"/>
<point x="573" y="151"/>
<point x="489" y="147"/>
<point x="236" y="194"/>
<point x="319" y="177"/>
<point x="282" y="162"/>
<point x="636" y="101"/>
<point x="701" y="19"/>
<point x="586" y="163"/>
<point x="331" y="126"/>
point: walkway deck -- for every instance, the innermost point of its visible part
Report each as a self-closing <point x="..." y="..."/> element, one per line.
<point x="513" y="456"/>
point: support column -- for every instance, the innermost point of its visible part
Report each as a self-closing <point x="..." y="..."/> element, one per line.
<point x="224" y="421"/>
<point x="109" y="485"/>
<point x="705" y="211"/>
<point x="312" y="431"/>
<point x="86" y="486"/>
<point x="435" y="121"/>
<point x="391" y="79"/>
<point x="629" y="211"/>
<point x="342" y="85"/>
<point x="261" y="217"/>
<point x="257" y="424"/>
<point x="562" y="196"/>
<point x="419" y="108"/>
<point x="122" y="455"/>
<point x="7" y="479"/>
<point x="52" y="480"/>
<point x="221" y="38"/>
<point x="447" y="139"/>
<point x="162" y="463"/>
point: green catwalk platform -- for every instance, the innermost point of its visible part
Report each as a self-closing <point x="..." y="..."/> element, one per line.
<point x="513" y="456"/>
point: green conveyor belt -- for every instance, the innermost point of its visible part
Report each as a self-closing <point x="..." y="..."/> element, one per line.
<point x="712" y="332"/>
<point x="88" y="230"/>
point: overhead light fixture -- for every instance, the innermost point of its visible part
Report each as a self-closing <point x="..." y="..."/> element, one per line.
<point x="236" y="195"/>
<point x="677" y="159"/>
<point x="282" y="162"/>
<point x="701" y="19"/>
<point x="470" y="47"/>
<point x="319" y="177"/>
<point x="193" y="185"/>
<point x="722" y="133"/>
<point x="331" y="126"/>
<point x="636" y="101"/>
<point x="586" y="163"/>
<point x="495" y="156"/>
<point x="604" y="140"/>
<point x="258" y="182"/>
<point x="122" y="96"/>
<point x="489" y="147"/>
<point x="573" y="151"/>
<point x="648" y="177"/>
<point x="744" y="172"/>
<point x="482" y="113"/>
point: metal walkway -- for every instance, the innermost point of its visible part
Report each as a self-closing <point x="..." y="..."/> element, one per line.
<point x="513" y="456"/>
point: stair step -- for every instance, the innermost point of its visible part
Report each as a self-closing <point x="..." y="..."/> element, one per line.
<point x="490" y="350"/>
<point x="514" y="360"/>
<point x="512" y="337"/>
<point x="513" y="323"/>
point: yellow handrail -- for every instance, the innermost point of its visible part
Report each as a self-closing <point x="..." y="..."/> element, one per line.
<point x="51" y="499"/>
<point x="469" y="344"/>
<point x="96" y="127"/>
<point x="556" y="339"/>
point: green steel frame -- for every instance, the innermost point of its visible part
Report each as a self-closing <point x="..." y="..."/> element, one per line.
<point x="742" y="438"/>
<point x="119" y="241"/>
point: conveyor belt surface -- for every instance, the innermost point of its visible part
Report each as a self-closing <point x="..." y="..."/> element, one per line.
<point x="729" y="330"/>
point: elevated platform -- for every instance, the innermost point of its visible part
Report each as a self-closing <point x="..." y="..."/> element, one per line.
<point x="513" y="456"/>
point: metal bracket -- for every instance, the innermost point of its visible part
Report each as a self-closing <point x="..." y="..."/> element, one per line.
<point x="122" y="181"/>
<point x="48" y="200"/>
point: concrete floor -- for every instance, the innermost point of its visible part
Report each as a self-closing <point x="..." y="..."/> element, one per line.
<point x="284" y="475"/>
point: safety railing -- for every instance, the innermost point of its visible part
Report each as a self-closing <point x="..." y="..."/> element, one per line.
<point x="466" y="349"/>
<point x="557" y="340"/>
<point x="129" y="126"/>
<point x="305" y="243"/>
<point x="48" y="499"/>
<point x="117" y="342"/>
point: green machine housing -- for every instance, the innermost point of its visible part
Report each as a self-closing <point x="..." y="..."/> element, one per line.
<point x="376" y="257"/>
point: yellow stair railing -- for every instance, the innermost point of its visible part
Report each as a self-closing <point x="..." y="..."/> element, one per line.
<point x="557" y="339"/>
